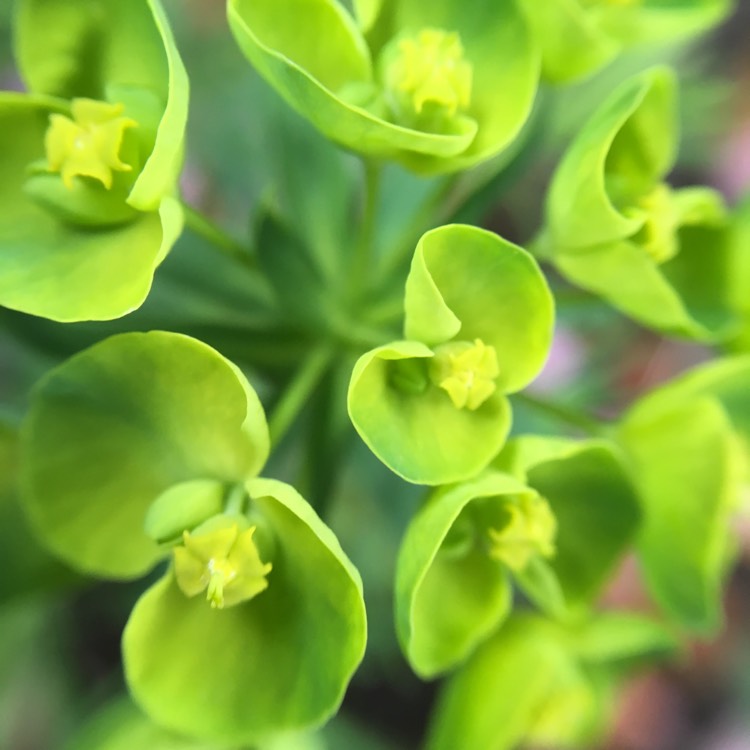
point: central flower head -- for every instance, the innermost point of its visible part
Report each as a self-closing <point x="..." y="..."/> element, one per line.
<point x="466" y="372"/>
<point x="530" y="530"/>
<point x="224" y="562"/>
<point x="658" y="236"/>
<point x="428" y="70"/>
<point x="89" y="144"/>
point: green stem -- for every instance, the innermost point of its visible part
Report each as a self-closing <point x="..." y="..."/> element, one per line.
<point x="363" y="259"/>
<point x="561" y="413"/>
<point x="201" y="225"/>
<point x="298" y="392"/>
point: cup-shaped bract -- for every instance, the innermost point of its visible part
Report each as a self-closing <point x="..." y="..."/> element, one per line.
<point x="147" y="445"/>
<point x="687" y="445"/>
<point x="116" y="426"/>
<point x="541" y="683"/>
<point x="588" y="487"/>
<point x="437" y="86"/>
<point x="479" y="319"/>
<point x="661" y="256"/>
<point x="280" y="661"/>
<point x="578" y="37"/>
<point x="89" y="159"/>
<point x="453" y="579"/>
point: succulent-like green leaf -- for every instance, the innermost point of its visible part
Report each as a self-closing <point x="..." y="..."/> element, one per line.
<point x="280" y="661"/>
<point x="112" y="428"/>
<point x="590" y="492"/>
<point x="339" y="89"/>
<point x="466" y="283"/>
<point x="684" y="458"/>
<point x="412" y="426"/>
<point x="450" y="594"/>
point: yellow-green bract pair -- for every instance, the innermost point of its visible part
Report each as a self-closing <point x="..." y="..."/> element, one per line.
<point x="89" y="158"/>
<point x="148" y="446"/>
<point x="479" y="319"/>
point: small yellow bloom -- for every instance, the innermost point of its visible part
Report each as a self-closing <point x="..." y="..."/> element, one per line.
<point x="466" y="372"/>
<point x="88" y="145"/>
<point x="529" y="531"/>
<point x="223" y="562"/>
<point x="430" y="68"/>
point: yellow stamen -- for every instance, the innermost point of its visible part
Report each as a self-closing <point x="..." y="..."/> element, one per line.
<point x="466" y="372"/>
<point x="88" y="145"/>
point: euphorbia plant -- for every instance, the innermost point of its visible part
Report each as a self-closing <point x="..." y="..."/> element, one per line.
<point x="370" y="307"/>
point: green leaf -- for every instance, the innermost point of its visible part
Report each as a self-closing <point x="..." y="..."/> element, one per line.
<point x="412" y="426"/>
<point x="683" y="459"/>
<point x="591" y="494"/>
<point x="112" y="428"/>
<point x="278" y="662"/>
<point x="522" y="683"/>
<point x="450" y="594"/>
<point x="466" y="283"/>
<point x="323" y="68"/>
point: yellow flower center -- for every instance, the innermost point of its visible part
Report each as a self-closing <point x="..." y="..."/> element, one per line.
<point x="430" y="69"/>
<point x="224" y="562"/>
<point x="658" y="236"/>
<point x="466" y="372"/>
<point x="529" y="531"/>
<point x="89" y="143"/>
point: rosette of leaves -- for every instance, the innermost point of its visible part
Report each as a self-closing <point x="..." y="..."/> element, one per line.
<point x="146" y="447"/>
<point x="688" y="446"/>
<point x="578" y="37"/>
<point x="479" y="319"/>
<point x="557" y="529"/>
<point x="89" y="158"/>
<point x="613" y="227"/>
<point x="544" y="684"/>
<point x="437" y="86"/>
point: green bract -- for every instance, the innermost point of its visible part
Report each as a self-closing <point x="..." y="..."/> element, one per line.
<point x="580" y="36"/>
<point x="437" y="86"/>
<point x="453" y="581"/>
<point x="660" y="255"/>
<point x="591" y="494"/>
<point x="90" y="158"/>
<point x="149" y="443"/>
<point x="479" y="320"/>
<point x="688" y="446"/>
<point x="542" y="683"/>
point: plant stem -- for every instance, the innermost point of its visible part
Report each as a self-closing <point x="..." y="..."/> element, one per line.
<point x="201" y="225"/>
<point x="562" y="413"/>
<point x="363" y="259"/>
<point x="298" y="392"/>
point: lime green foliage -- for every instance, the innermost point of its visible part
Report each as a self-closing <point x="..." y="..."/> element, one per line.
<point x="279" y="661"/>
<point x="580" y="36"/>
<point x="690" y="467"/>
<point x="453" y="580"/>
<point x="594" y="502"/>
<point x="90" y="158"/>
<point x="478" y="325"/>
<point x="545" y="684"/>
<point x="129" y="447"/>
<point x="437" y="86"/>
<point x="661" y="256"/>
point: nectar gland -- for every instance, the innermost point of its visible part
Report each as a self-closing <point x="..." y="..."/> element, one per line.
<point x="224" y="563"/>
<point x="466" y="372"/>
<point x="89" y="143"/>
<point x="429" y="69"/>
<point x="529" y="531"/>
